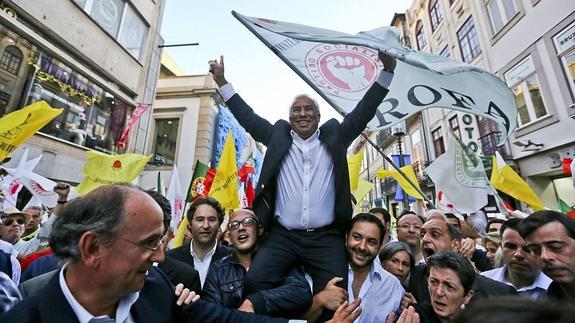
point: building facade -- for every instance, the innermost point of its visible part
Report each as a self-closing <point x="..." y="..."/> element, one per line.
<point x="183" y="124"/>
<point x="532" y="48"/>
<point x="498" y="36"/>
<point x="95" y="59"/>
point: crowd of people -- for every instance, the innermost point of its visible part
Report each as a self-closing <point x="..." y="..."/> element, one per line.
<point x="298" y="254"/>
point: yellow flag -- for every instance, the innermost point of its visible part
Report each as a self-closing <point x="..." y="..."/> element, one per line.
<point x="103" y="169"/>
<point x="180" y="234"/>
<point x="18" y="126"/>
<point x="354" y="166"/>
<point x="363" y="187"/>
<point x="505" y="179"/>
<point x="407" y="188"/>
<point x="225" y="185"/>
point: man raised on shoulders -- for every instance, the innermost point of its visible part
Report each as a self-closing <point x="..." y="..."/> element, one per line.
<point x="303" y="199"/>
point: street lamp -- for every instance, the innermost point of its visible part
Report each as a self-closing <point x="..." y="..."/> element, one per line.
<point x="398" y="131"/>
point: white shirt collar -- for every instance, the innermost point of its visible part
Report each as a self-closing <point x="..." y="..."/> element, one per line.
<point x="210" y="253"/>
<point x="296" y="137"/>
<point x="541" y="281"/>
<point x="122" y="311"/>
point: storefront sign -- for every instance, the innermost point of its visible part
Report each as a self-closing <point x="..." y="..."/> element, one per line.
<point x="565" y="39"/>
<point x="69" y="83"/>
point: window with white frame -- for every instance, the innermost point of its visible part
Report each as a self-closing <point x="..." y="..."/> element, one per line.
<point x="120" y="20"/>
<point x="500" y="12"/>
<point x="565" y="44"/>
<point x="569" y="65"/>
<point x="165" y="141"/>
<point x="523" y="80"/>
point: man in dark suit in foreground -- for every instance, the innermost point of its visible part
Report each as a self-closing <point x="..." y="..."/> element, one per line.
<point x="110" y="238"/>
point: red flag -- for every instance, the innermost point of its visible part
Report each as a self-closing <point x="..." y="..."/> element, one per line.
<point x="566" y="165"/>
<point x="138" y="111"/>
<point x="208" y="179"/>
<point x="507" y="205"/>
<point x="250" y="192"/>
<point x="247" y="168"/>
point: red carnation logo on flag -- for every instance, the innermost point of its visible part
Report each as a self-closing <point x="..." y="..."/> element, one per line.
<point x="117" y="169"/>
<point x="14" y="187"/>
<point x="36" y="187"/>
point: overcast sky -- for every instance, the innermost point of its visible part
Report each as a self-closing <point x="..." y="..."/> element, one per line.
<point x="262" y="79"/>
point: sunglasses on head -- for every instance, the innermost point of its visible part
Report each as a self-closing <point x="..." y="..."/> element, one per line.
<point x="9" y="221"/>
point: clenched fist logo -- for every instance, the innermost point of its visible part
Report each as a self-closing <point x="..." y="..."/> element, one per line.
<point x="349" y="70"/>
<point x="345" y="71"/>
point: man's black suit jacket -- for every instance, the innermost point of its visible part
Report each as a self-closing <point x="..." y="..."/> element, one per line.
<point x="335" y="136"/>
<point x="181" y="272"/>
<point x="183" y="254"/>
<point x="156" y="303"/>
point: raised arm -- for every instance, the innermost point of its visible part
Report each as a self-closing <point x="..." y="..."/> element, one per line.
<point x="356" y="121"/>
<point x="258" y="127"/>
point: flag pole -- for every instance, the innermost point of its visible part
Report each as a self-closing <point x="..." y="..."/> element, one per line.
<point x="380" y="151"/>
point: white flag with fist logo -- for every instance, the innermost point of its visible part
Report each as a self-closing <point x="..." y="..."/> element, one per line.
<point x="341" y="68"/>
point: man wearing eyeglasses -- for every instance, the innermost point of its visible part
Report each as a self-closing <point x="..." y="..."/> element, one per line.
<point x="18" y="221"/>
<point x="225" y="282"/>
<point x="109" y="239"/>
<point x="409" y="232"/>
<point x="550" y="236"/>
<point x="522" y="270"/>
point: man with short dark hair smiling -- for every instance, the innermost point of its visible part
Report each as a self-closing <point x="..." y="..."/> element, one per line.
<point x="380" y="291"/>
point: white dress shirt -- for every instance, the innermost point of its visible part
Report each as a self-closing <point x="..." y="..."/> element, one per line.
<point x="539" y="285"/>
<point x="122" y="311"/>
<point x="202" y="266"/>
<point x="380" y="294"/>
<point x="305" y="196"/>
<point x="8" y="248"/>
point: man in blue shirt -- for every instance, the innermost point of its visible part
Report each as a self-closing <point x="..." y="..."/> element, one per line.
<point x="380" y="291"/>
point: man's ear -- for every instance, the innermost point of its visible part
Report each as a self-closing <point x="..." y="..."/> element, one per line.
<point x="468" y="297"/>
<point x="455" y="245"/>
<point x="260" y="230"/>
<point x="90" y="245"/>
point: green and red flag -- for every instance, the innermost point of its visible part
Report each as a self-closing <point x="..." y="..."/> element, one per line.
<point x="565" y="208"/>
<point x="201" y="181"/>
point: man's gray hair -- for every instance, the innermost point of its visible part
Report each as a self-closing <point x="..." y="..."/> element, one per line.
<point x="306" y="96"/>
<point x="101" y="211"/>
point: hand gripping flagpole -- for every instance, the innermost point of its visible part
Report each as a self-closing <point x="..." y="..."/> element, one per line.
<point x="380" y="151"/>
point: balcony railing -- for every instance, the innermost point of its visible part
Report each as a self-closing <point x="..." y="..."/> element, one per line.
<point x="384" y="138"/>
<point x="489" y="145"/>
